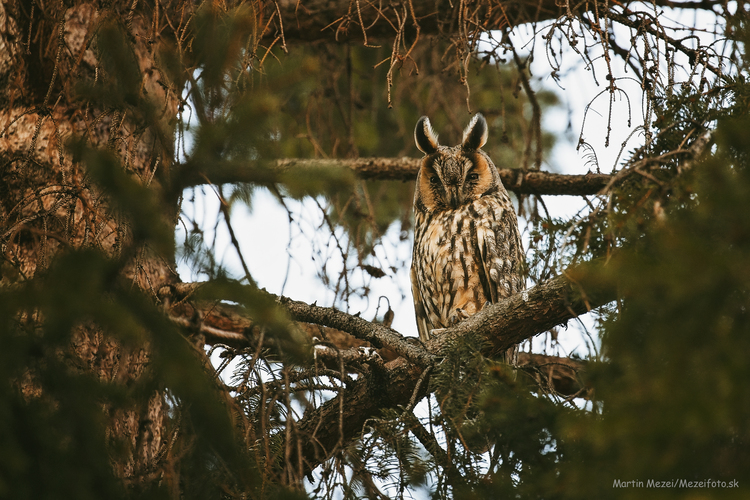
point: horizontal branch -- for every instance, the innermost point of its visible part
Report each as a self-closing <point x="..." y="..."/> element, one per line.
<point x="346" y="21"/>
<point x="506" y="323"/>
<point x="227" y="325"/>
<point x="517" y="180"/>
<point x="402" y="169"/>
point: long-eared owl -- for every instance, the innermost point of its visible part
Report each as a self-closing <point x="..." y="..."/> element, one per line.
<point x="467" y="248"/>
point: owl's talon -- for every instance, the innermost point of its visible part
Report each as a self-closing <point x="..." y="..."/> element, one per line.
<point x="460" y="315"/>
<point x="436" y="331"/>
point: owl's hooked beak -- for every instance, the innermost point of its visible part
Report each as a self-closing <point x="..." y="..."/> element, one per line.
<point x="453" y="192"/>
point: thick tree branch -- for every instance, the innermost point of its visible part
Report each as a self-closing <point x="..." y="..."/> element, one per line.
<point x="347" y="21"/>
<point x="508" y="322"/>
<point x="518" y="318"/>
<point x="228" y="325"/>
<point x="533" y="311"/>
<point x="387" y="386"/>
<point x="392" y="385"/>
<point x="403" y="169"/>
<point x="343" y="20"/>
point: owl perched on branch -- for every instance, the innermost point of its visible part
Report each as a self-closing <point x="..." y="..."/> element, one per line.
<point x="467" y="248"/>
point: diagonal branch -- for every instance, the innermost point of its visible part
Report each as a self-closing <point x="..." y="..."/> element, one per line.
<point x="377" y="334"/>
<point x="508" y="322"/>
<point x="523" y="315"/>
<point x="392" y="385"/>
<point x="519" y="317"/>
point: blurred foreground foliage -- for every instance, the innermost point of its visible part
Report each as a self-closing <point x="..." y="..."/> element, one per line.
<point x="671" y="398"/>
<point x="674" y="386"/>
<point x="57" y="411"/>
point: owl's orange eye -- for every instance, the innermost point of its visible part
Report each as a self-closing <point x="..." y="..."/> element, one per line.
<point x="472" y="177"/>
<point x="434" y="179"/>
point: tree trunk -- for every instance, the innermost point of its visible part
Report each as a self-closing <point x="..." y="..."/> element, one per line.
<point x="48" y="203"/>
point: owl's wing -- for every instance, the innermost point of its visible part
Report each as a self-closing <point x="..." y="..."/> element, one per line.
<point x="487" y="243"/>
<point x="500" y="253"/>
<point x="424" y="332"/>
<point x="502" y="261"/>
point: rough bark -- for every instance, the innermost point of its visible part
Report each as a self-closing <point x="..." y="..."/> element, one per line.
<point x="229" y="325"/>
<point x="537" y="309"/>
<point x="331" y="426"/>
<point x="378" y="335"/>
<point x="342" y="20"/>
<point x="524" y="315"/>
<point x="48" y="202"/>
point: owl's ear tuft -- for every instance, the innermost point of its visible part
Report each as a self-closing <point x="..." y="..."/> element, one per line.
<point x="425" y="136"/>
<point x="475" y="134"/>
